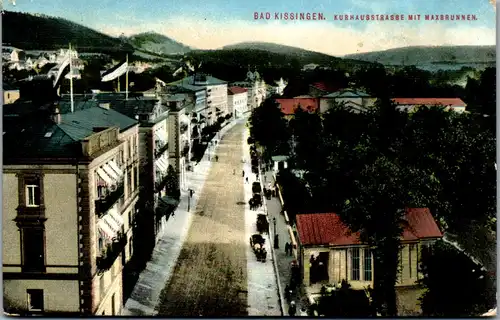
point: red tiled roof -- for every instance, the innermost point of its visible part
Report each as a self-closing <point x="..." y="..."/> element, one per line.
<point x="288" y="106"/>
<point x="326" y="87"/>
<point x="236" y="90"/>
<point x="453" y="102"/>
<point x="328" y="229"/>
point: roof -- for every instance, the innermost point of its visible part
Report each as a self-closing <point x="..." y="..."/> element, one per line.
<point x="189" y="82"/>
<point x="347" y="93"/>
<point x="328" y="229"/>
<point x="326" y="87"/>
<point x="39" y="137"/>
<point x="453" y="102"/>
<point x="236" y="90"/>
<point x="304" y="96"/>
<point x="288" y="106"/>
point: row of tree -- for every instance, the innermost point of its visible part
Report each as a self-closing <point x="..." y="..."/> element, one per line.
<point x="369" y="166"/>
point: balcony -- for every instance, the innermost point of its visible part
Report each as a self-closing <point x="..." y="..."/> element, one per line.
<point x="111" y="252"/>
<point x="160" y="150"/>
<point x="104" y="204"/>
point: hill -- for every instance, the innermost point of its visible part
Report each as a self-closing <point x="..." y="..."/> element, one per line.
<point x="158" y="44"/>
<point x="424" y="55"/>
<point x="42" y="32"/>
<point x="303" y="55"/>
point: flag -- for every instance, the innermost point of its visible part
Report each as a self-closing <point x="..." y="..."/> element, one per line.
<point x="58" y="70"/>
<point x="115" y="72"/>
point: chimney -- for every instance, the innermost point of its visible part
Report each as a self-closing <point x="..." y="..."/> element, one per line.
<point x="56" y="116"/>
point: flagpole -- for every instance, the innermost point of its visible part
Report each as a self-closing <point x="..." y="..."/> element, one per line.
<point x="126" y="81"/>
<point x="71" y="81"/>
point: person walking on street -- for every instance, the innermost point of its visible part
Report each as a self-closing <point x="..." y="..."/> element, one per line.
<point x="265" y="178"/>
<point x="287" y="248"/>
<point x="246" y="179"/>
<point x="292" y="309"/>
<point x="243" y="173"/>
<point x="216" y="158"/>
<point x="234" y="172"/>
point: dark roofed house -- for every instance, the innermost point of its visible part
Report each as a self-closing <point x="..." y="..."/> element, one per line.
<point x="353" y="99"/>
<point x="340" y="255"/>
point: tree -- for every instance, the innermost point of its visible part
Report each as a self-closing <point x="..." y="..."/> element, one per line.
<point x="269" y="129"/>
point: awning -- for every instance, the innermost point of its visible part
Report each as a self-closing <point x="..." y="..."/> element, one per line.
<point x="105" y="231"/>
<point x="111" y="173"/>
<point x="112" y="224"/>
<point x="116" y="217"/>
<point x="115" y="167"/>
<point x="105" y="177"/>
<point x="161" y="164"/>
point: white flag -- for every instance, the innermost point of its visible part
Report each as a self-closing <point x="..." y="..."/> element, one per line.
<point x="114" y="72"/>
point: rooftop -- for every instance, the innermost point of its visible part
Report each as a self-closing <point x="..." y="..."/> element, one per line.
<point x="328" y="229"/>
<point x="326" y="87"/>
<point x="347" y="93"/>
<point x="452" y="102"/>
<point x="197" y="82"/>
<point x="236" y="90"/>
<point x="288" y="106"/>
<point x="39" y="138"/>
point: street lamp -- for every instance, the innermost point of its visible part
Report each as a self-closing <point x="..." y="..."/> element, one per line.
<point x="190" y="195"/>
<point x="276" y="238"/>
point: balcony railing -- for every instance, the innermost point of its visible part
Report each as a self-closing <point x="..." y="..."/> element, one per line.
<point x="161" y="150"/>
<point x="104" y="204"/>
<point x="111" y="252"/>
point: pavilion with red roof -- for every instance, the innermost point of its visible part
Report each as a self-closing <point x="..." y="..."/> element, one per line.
<point x="330" y="252"/>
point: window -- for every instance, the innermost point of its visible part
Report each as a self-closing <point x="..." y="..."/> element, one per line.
<point x="32" y="195"/>
<point x="33" y="244"/>
<point x="101" y="287"/>
<point x="130" y="222"/>
<point x="411" y="249"/>
<point x="35" y="299"/>
<point x="368" y="265"/>
<point x="130" y="248"/>
<point x="355" y="264"/>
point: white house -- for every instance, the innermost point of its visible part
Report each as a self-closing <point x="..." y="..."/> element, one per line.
<point x="237" y="100"/>
<point x="412" y="104"/>
<point x="257" y="90"/>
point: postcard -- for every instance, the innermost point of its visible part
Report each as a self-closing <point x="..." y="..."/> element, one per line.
<point x="263" y="158"/>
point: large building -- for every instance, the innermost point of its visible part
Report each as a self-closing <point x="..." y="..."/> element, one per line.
<point x="237" y="100"/>
<point x="412" y="104"/>
<point x="209" y="95"/>
<point x="257" y="91"/>
<point x="70" y="188"/>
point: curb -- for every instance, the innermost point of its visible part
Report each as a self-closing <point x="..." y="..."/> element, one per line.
<point x="275" y="264"/>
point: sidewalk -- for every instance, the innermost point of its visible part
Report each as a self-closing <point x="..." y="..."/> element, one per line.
<point x="152" y="280"/>
<point x="282" y="229"/>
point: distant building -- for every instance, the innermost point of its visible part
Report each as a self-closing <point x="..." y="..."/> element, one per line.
<point x="210" y="95"/>
<point x="70" y="191"/>
<point x="412" y="104"/>
<point x="289" y="106"/>
<point x="310" y="66"/>
<point x="319" y="89"/>
<point x="237" y="100"/>
<point x="353" y="99"/>
<point x="257" y="90"/>
<point x="10" y="94"/>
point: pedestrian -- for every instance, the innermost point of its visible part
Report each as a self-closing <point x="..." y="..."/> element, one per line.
<point x="287" y="292"/>
<point x="287" y="248"/>
<point x="246" y="179"/>
<point x="216" y="158"/>
<point x="234" y="172"/>
<point x="265" y="178"/>
<point x="292" y="309"/>
<point x="256" y="177"/>
<point x="243" y="173"/>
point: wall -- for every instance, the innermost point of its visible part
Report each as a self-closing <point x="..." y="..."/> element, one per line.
<point x="10" y="96"/>
<point x="238" y="103"/>
<point x="59" y="295"/>
<point x="112" y="285"/>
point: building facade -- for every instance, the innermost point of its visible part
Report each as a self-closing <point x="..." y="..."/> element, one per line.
<point x="412" y="104"/>
<point x="257" y="90"/>
<point x="68" y="211"/>
<point x="337" y="254"/>
<point x="237" y="100"/>
<point x="353" y="99"/>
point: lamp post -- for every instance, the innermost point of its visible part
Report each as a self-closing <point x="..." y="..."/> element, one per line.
<point x="276" y="238"/>
<point x="190" y="195"/>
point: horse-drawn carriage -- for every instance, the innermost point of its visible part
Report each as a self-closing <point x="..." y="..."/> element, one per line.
<point x="257" y="244"/>
<point x="262" y="223"/>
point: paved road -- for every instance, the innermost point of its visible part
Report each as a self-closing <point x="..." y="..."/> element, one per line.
<point x="210" y="278"/>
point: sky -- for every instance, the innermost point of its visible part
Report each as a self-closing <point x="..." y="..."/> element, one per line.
<point x="211" y="24"/>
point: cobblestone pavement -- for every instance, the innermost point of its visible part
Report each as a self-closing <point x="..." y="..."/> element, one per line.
<point x="210" y="278"/>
